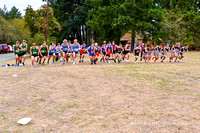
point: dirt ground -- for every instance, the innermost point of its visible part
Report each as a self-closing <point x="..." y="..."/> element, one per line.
<point x="151" y="97"/>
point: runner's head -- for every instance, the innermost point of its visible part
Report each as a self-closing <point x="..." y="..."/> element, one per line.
<point x="113" y="42"/>
<point x="24" y="41"/>
<point x="96" y="44"/>
<point x="148" y="46"/>
<point x="69" y="42"/>
<point x="52" y="43"/>
<point x="75" y="41"/>
<point x="92" y="44"/>
<point x="65" y="41"/>
<point x="83" y="43"/>
<point x="129" y="43"/>
<point x="39" y="44"/>
<point x="17" y="42"/>
<point x="58" y="44"/>
<point x="186" y="46"/>
<point x="34" y="44"/>
<point x="109" y="43"/>
<point x="120" y="45"/>
<point x="44" y="42"/>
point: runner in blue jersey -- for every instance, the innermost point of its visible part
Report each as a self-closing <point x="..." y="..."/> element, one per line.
<point x="109" y="50"/>
<point x="65" y="49"/>
<point x="58" y="50"/>
<point x="103" y="51"/>
<point x="52" y="49"/>
<point x="97" y="51"/>
<point x="75" y="48"/>
<point x="91" y="52"/>
<point x="82" y="51"/>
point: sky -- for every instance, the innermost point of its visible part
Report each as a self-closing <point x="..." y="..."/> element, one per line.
<point x="21" y="4"/>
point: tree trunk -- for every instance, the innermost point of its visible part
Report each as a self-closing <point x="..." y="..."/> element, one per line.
<point x="133" y="39"/>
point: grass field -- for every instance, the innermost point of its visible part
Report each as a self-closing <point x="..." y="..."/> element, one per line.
<point x="151" y="97"/>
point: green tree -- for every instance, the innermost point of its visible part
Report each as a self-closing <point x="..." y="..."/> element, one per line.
<point x="36" y="21"/>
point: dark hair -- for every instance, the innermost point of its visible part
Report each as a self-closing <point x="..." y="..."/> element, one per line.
<point x="147" y="45"/>
<point x="186" y="45"/>
<point x="83" y="41"/>
<point x="129" y="42"/>
<point x="39" y="44"/>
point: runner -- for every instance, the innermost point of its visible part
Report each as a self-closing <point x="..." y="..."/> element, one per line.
<point x="157" y="50"/>
<point x="109" y="50"/>
<point x="57" y="52"/>
<point x="70" y="51"/>
<point x="65" y="49"/>
<point x="127" y="51"/>
<point x="82" y="51"/>
<point x="16" y="48"/>
<point x="119" y="52"/>
<point x="176" y="48"/>
<point x="43" y="50"/>
<point x="136" y="52"/>
<point x="152" y="49"/>
<point x="183" y="49"/>
<point x="24" y="47"/>
<point x="114" y="49"/>
<point x="142" y="51"/>
<point x="76" y="48"/>
<point x="163" y="52"/>
<point x="148" y="53"/>
<point x="91" y="51"/>
<point x="40" y="57"/>
<point x="52" y="49"/>
<point x="97" y="51"/>
<point x="103" y="51"/>
<point x="172" y="51"/>
<point x="34" y="53"/>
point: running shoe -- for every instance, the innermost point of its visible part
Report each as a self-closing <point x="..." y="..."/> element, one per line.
<point x="127" y="61"/>
<point x="82" y="61"/>
<point x="115" y="61"/>
<point x="175" y="61"/>
<point x="23" y="64"/>
<point x="154" y="61"/>
<point x="63" y="63"/>
<point x="58" y="60"/>
<point x="16" y="64"/>
<point x="73" y="63"/>
<point x="152" y="58"/>
<point x="162" y="62"/>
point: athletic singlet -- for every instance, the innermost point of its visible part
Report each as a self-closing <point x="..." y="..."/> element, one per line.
<point x="176" y="48"/>
<point x="109" y="48"/>
<point x="44" y="49"/>
<point x="75" y="47"/>
<point x="119" y="50"/>
<point x="128" y="47"/>
<point x="70" y="46"/>
<point x="103" y="48"/>
<point x="83" y="47"/>
<point x="97" y="51"/>
<point x="52" y="49"/>
<point x="152" y="49"/>
<point x="24" y="46"/>
<point x="65" y="47"/>
<point x="167" y="49"/>
<point x="34" y="50"/>
<point x="58" y="49"/>
<point x="91" y="50"/>
<point x="16" y="49"/>
<point x="183" y="49"/>
<point x="172" y="48"/>
<point x="137" y="50"/>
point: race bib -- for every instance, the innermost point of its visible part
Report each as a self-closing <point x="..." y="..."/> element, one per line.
<point x="34" y="52"/>
<point x="42" y="50"/>
<point x="17" y="50"/>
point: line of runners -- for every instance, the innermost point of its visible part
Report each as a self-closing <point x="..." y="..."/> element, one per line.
<point x="119" y="54"/>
